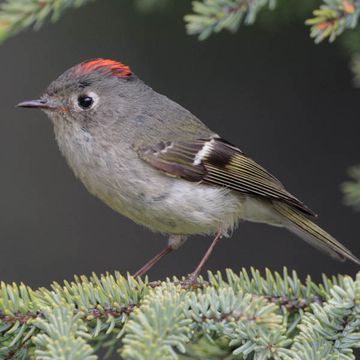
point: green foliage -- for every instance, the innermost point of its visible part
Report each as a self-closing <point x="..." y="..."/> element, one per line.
<point x="333" y="18"/>
<point x="62" y="335"/>
<point x="330" y="20"/>
<point x="239" y="316"/>
<point x="351" y="189"/>
<point x="332" y="330"/>
<point x="214" y="15"/>
<point x="209" y="16"/>
<point x="100" y="307"/>
<point x="16" y="15"/>
<point x="159" y="327"/>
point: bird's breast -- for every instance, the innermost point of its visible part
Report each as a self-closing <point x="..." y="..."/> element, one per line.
<point x="115" y="174"/>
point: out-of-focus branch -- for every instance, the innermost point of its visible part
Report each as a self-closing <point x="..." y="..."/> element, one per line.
<point x="212" y="16"/>
<point x="16" y="15"/>
<point x="351" y="188"/>
<point x="333" y="18"/>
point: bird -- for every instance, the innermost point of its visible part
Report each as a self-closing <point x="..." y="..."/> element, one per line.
<point x="153" y="161"/>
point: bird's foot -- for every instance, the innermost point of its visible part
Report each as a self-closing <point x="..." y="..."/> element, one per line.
<point x="192" y="282"/>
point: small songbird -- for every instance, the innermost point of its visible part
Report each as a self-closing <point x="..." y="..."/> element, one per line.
<point x="153" y="161"/>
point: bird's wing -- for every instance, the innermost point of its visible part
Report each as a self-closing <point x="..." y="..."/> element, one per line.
<point x="217" y="162"/>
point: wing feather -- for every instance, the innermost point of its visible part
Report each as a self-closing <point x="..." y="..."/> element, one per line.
<point x="219" y="163"/>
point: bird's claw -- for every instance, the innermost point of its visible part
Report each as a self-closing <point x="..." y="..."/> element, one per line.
<point x="191" y="282"/>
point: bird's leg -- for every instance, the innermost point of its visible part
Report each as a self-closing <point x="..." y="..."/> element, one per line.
<point x="143" y="270"/>
<point x="175" y="241"/>
<point x="191" y="279"/>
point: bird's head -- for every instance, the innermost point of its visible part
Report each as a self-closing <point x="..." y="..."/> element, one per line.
<point x="93" y="87"/>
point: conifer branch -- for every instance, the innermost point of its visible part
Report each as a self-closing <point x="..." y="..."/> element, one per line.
<point x="212" y="16"/>
<point x="16" y="15"/>
<point x="333" y="18"/>
<point x="209" y="16"/>
<point x="62" y="335"/>
<point x="274" y="316"/>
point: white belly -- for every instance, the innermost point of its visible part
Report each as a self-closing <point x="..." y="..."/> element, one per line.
<point x="148" y="197"/>
<point x="173" y="206"/>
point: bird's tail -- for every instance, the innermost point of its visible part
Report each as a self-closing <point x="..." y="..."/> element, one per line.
<point x="300" y="225"/>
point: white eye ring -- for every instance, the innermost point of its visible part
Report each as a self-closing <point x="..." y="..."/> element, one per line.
<point x="86" y="101"/>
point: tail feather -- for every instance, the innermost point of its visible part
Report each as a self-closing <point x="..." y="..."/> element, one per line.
<point x="313" y="234"/>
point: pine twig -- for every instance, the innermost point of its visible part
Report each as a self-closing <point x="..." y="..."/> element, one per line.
<point x="212" y="16"/>
<point x="237" y="316"/>
<point x="16" y="15"/>
<point x="333" y="18"/>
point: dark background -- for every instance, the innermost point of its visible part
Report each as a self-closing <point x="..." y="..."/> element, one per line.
<point x="286" y="102"/>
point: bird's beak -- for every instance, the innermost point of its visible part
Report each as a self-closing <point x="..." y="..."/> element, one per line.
<point x="37" y="104"/>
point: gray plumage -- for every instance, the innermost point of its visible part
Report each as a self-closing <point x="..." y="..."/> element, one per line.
<point x="153" y="161"/>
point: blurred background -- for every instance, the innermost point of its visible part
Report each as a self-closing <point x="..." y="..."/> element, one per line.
<point x="287" y="103"/>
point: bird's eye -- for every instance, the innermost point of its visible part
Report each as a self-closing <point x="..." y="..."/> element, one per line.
<point x="85" y="101"/>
